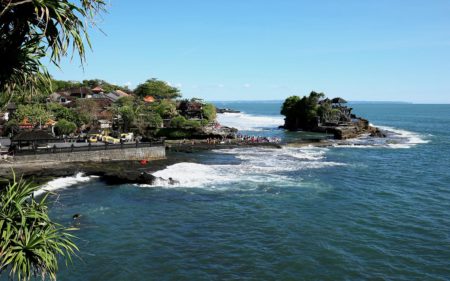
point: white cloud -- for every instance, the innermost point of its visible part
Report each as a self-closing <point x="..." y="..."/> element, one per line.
<point x="221" y="86"/>
<point x="247" y="85"/>
<point x="128" y="84"/>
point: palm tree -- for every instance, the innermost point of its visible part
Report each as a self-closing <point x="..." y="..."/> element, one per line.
<point x="30" y="242"/>
<point x="29" y="29"/>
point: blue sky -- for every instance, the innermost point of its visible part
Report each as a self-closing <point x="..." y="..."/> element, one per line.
<point x="267" y="50"/>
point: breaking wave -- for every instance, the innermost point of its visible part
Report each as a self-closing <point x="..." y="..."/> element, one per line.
<point x="248" y="122"/>
<point x="395" y="138"/>
<point x="62" y="183"/>
<point x="258" y="166"/>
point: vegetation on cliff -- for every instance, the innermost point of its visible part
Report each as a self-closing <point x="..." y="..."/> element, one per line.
<point x="303" y="112"/>
<point x="319" y="114"/>
<point x="158" y="89"/>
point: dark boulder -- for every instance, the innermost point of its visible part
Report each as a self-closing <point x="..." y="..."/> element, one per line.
<point x="377" y="133"/>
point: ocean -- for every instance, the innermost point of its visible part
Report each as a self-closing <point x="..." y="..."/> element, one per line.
<point x="366" y="210"/>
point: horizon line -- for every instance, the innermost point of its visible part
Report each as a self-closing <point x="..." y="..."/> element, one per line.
<point x="351" y="101"/>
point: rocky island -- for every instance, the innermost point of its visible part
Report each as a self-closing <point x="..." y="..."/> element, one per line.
<point x="316" y="113"/>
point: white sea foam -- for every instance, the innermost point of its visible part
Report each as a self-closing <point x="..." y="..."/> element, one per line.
<point x="248" y="122"/>
<point x="61" y="183"/>
<point x="258" y="166"/>
<point x="396" y="139"/>
<point x="411" y="138"/>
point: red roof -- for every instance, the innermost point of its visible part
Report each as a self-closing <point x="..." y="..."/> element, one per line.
<point x="149" y="99"/>
<point x="97" y="90"/>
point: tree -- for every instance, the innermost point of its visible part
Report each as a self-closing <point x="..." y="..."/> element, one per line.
<point x="178" y="122"/>
<point x="146" y="120"/>
<point x="209" y="111"/>
<point x="165" y="108"/>
<point x="301" y="113"/>
<point x="30" y="242"/>
<point x="127" y="114"/>
<point x="127" y="101"/>
<point x="60" y="112"/>
<point x="158" y="89"/>
<point x="127" y="109"/>
<point x="31" y="29"/>
<point x="36" y="114"/>
<point x="64" y="127"/>
<point x="58" y="85"/>
<point x="87" y="110"/>
<point x="106" y="86"/>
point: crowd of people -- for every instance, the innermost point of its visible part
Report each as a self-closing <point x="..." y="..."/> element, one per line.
<point x="257" y="139"/>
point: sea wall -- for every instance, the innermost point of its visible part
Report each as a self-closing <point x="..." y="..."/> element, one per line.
<point x="148" y="153"/>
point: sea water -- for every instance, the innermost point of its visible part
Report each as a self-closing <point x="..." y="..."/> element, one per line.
<point x="366" y="210"/>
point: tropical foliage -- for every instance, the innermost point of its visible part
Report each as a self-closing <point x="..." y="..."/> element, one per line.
<point x="31" y="29"/>
<point x="209" y="111"/>
<point x="86" y="109"/>
<point x="30" y="242"/>
<point x="60" y="112"/>
<point x="158" y="89"/>
<point x="35" y="114"/>
<point x="302" y="113"/>
<point x="58" y="85"/>
<point x="64" y="127"/>
<point x="165" y="108"/>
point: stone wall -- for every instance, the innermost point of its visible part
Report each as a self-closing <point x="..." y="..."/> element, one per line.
<point x="148" y="153"/>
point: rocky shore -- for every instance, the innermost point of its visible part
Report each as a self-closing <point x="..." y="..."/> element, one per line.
<point x="226" y="110"/>
<point x="351" y="130"/>
<point x="118" y="172"/>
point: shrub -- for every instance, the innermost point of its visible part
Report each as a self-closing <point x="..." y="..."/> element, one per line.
<point x="178" y="122"/>
<point x="64" y="127"/>
<point x="30" y="242"/>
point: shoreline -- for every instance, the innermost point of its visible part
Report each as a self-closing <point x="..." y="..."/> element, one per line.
<point x="132" y="171"/>
<point x="114" y="172"/>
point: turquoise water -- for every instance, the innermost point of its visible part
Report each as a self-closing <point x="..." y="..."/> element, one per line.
<point x="355" y="212"/>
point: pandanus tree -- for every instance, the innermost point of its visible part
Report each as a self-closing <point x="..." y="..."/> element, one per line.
<point x="30" y="242"/>
<point x="31" y="29"/>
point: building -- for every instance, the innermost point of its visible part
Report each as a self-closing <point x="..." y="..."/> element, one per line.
<point x="149" y="99"/>
<point x="191" y="108"/>
<point x="32" y="139"/>
<point x="98" y="90"/>
<point x="78" y="92"/>
<point x="61" y="98"/>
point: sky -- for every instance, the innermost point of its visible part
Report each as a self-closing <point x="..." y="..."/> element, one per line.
<point x="371" y="50"/>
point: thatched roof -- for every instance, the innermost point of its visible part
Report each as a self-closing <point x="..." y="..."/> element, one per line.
<point x="33" y="136"/>
<point x="338" y="100"/>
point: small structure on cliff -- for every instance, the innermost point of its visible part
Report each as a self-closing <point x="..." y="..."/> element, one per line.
<point x="315" y="113"/>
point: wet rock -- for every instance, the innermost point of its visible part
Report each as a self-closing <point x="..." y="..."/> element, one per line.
<point x="377" y="133"/>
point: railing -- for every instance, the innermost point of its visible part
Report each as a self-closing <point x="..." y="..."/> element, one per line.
<point x="79" y="148"/>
